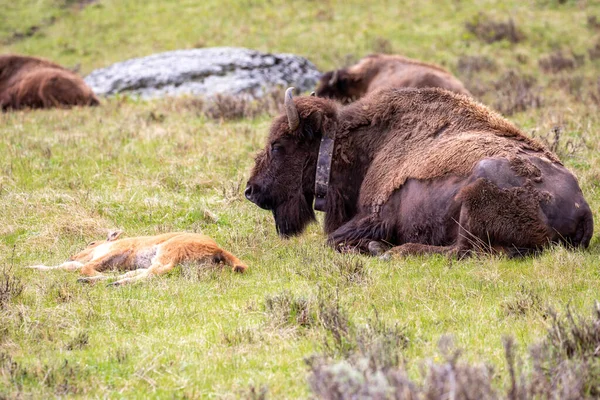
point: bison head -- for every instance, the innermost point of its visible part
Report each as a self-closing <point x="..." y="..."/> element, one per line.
<point x="283" y="176"/>
<point x="339" y="85"/>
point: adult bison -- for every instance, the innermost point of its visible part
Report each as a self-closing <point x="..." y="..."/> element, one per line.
<point x="426" y="170"/>
<point x="29" y="82"/>
<point x="380" y="71"/>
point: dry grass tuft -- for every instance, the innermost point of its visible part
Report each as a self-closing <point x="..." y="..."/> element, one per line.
<point x="240" y="336"/>
<point x="255" y="393"/>
<point x="80" y="341"/>
<point x="378" y="340"/>
<point x="338" y="338"/>
<point x="383" y="46"/>
<point x="352" y="270"/>
<point x="560" y="61"/>
<point x="524" y="302"/>
<point x="488" y="30"/>
<point x="11" y="287"/>
<point x="575" y="85"/>
<point x="566" y="365"/>
<point x="573" y="336"/>
<point x="594" y="52"/>
<point x="593" y="22"/>
<point x="287" y="310"/>
<point x="227" y="107"/>
<point x="516" y="92"/>
<point x="62" y="378"/>
<point x="559" y="143"/>
<point x="358" y="377"/>
<point x="469" y="65"/>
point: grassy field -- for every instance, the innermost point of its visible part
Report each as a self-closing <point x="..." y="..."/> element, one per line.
<point x="68" y="176"/>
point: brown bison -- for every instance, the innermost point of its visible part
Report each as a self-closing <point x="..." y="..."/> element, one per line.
<point x="426" y="170"/>
<point x="29" y="82"/>
<point x="379" y="71"/>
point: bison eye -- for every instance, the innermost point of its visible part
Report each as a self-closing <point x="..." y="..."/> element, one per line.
<point x="276" y="148"/>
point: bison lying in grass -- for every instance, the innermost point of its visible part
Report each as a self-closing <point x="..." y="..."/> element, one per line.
<point x="29" y="82"/>
<point x="379" y="71"/>
<point x="425" y="170"/>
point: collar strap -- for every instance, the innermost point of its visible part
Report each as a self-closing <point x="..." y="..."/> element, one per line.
<point x="323" y="172"/>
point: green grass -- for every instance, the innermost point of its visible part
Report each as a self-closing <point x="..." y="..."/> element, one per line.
<point x="67" y="176"/>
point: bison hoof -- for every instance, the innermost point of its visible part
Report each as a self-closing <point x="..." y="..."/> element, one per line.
<point x="386" y="256"/>
<point x="376" y="248"/>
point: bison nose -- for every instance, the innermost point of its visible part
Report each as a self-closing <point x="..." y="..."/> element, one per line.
<point x="255" y="194"/>
<point x="248" y="192"/>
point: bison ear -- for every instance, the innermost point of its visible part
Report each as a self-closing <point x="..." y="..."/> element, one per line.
<point x="312" y="126"/>
<point x="318" y="124"/>
<point x="342" y="77"/>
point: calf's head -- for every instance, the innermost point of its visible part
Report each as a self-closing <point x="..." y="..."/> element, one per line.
<point x="283" y="176"/>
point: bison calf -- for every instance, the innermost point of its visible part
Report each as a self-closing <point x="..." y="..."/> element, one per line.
<point x="145" y="256"/>
<point x="29" y="82"/>
<point x="425" y="170"/>
<point x="379" y="71"/>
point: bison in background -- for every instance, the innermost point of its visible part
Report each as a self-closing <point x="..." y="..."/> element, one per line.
<point x="380" y="71"/>
<point x="423" y="170"/>
<point x="29" y="82"/>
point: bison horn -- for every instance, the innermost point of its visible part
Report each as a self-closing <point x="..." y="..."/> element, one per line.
<point x="334" y="78"/>
<point x="291" y="110"/>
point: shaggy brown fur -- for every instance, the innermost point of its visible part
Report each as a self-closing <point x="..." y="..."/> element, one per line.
<point x="423" y="167"/>
<point x="379" y="71"/>
<point x="145" y="256"/>
<point x="428" y="134"/>
<point x="504" y="216"/>
<point x="29" y="82"/>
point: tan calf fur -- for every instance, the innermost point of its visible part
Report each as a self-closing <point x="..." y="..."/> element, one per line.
<point x="145" y="256"/>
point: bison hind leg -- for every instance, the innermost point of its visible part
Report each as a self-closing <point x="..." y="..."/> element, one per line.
<point x="510" y="220"/>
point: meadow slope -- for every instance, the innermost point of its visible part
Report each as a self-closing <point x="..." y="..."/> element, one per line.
<point x="68" y="176"/>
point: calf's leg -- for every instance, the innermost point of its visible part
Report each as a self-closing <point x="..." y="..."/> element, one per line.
<point x="159" y="266"/>
<point x="67" y="266"/>
<point x="92" y="269"/>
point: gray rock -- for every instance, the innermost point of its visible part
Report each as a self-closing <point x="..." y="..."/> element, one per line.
<point x="206" y="72"/>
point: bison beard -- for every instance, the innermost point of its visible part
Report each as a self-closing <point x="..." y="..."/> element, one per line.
<point x="292" y="216"/>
